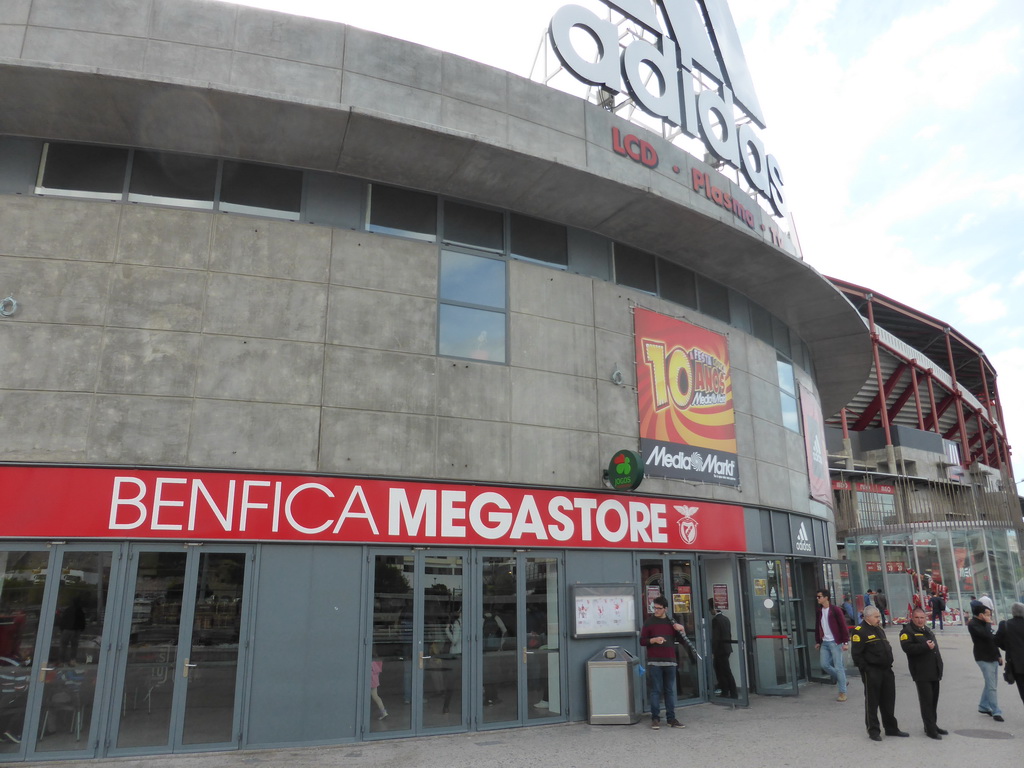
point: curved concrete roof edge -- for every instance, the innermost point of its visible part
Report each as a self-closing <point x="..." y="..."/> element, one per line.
<point x="466" y="130"/>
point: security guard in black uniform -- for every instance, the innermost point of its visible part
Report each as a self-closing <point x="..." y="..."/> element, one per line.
<point x="872" y="655"/>
<point x="925" y="660"/>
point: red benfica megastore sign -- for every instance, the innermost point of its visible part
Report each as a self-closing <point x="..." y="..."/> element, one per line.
<point x="72" y="502"/>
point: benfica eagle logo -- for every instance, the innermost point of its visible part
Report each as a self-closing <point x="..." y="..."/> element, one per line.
<point x="687" y="526"/>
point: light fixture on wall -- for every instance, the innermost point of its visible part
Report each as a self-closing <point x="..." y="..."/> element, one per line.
<point x="8" y="306"/>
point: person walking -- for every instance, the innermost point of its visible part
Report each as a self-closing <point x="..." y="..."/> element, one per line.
<point x="938" y="605"/>
<point x="872" y="655"/>
<point x="925" y="662"/>
<point x="882" y="604"/>
<point x="659" y="635"/>
<point x="1010" y="637"/>
<point x="721" y="650"/>
<point x="986" y="654"/>
<point x="831" y="638"/>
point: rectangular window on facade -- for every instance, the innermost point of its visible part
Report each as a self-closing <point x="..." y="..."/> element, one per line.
<point x="761" y="322"/>
<point x="713" y="298"/>
<point x="83" y="170"/>
<point x="474" y="227"/>
<point x="471" y="333"/>
<point x="539" y="240"/>
<point x="635" y="268"/>
<point x="781" y="334"/>
<point x="404" y="212"/>
<point x="472" y="319"/>
<point x="787" y="394"/>
<point x="677" y="283"/>
<point x="168" y="179"/>
<point x="264" y="190"/>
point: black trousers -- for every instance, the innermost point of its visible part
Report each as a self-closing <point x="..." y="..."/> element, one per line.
<point x="879" y="694"/>
<point x="723" y="673"/>
<point x="928" y="696"/>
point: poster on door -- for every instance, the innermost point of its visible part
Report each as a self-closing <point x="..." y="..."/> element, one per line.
<point x="684" y="398"/>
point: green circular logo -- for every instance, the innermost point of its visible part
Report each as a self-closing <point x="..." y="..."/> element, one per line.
<point x="625" y="471"/>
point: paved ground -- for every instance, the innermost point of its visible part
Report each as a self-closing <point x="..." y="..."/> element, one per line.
<point x="773" y="732"/>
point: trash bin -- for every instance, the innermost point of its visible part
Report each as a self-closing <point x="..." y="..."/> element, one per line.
<point x="613" y="687"/>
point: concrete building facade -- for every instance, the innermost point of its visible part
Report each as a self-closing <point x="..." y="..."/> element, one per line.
<point x="325" y="343"/>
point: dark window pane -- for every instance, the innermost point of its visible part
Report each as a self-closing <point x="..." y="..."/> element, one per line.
<point x="713" y="298"/>
<point x="635" y="269"/>
<point x="472" y="279"/>
<point x="158" y="177"/>
<point x="473" y="333"/>
<point x="79" y="167"/>
<point x="677" y="283"/>
<point x="403" y="212"/>
<point x="539" y="240"/>
<point x="762" y="322"/>
<point x="260" y="186"/>
<point x="469" y="225"/>
<point x="782" y="337"/>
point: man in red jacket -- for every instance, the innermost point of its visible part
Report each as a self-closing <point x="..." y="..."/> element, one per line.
<point x="831" y="638"/>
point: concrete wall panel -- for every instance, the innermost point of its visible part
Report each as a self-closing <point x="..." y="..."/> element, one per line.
<point x="159" y="237"/>
<point x="373" y="442"/>
<point x="271" y="309"/>
<point x="253" y="436"/>
<point x="139" y="430"/>
<point x="142" y="362"/>
<point x="249" y="246"/>
<point x="260" y="370"/>
<point x="373" y="380"/>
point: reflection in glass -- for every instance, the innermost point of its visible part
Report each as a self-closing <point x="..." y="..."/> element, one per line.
<point x="543" y="657"/>
<point x="442" y="641"/>
<point x="499" y="632"/>
<point x="69" y="686"/>
<point x="391" y="664"/>
<point x="21" y="594"/>
<point x="213" y="656"/>
<point x="152" y="650"/>
<point x="475" y="334"/>
<point x="472" y="279"/>
<point x="771" y="654"/>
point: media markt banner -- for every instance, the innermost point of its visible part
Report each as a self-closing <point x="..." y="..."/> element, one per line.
<point x="684" y="397"/>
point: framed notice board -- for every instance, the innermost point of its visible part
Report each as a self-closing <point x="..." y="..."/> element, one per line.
<point x="603" y="610"/>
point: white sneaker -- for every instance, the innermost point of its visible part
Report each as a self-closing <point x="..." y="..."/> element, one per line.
<point x="541" y="705"/>
<point x="383" y="714"/>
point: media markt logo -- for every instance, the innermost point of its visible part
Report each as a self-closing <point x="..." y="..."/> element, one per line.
<point x="687" y="526"/>
<point x="687" y="40"/>
<point x="625" y="471"/>
<point x="803" y="541"/>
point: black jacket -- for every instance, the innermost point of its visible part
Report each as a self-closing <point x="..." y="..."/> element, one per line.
<point x="871" y="647"/>
<point x="1010" y="637"/>
<point x="985" y="648"/>
<point x="925" y="663"/>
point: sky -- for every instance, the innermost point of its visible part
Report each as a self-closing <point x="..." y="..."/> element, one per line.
<point x="897" y="127"/>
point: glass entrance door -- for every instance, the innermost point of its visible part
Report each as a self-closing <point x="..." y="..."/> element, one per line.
<point x="415" y="673"/>
<point x="519" y="653"/>
<point x="725" y="660"/>
<point x="180" y="660"/>
<point x="54" y="606"/>
<point x="772" y="627"/>
<point x="673" y="578"/>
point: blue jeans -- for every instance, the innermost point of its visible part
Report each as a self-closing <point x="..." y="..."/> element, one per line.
<point x="661" y="682"/>
<point x="833" y="664"/>
<point x="989" y="702"/>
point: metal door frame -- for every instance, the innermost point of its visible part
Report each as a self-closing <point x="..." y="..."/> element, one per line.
<point x="419" y="557"/>
<point x="522" y="651"/>
<point x="783" y="634"/>
<point x="738" y="634"/>
<point x="193" y="554"/>
<point x="696" y="607"/>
